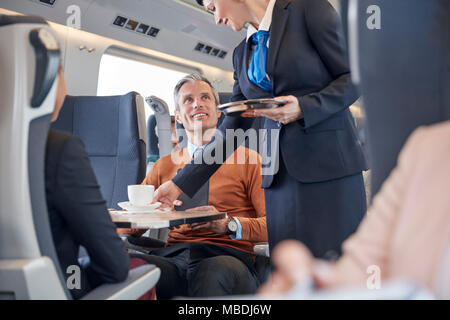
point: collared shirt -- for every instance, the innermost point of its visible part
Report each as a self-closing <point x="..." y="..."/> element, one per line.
<point x="191" y="149"/>
<point x="238" y="235"/>
<point x="265" y="25"/>
<point x="266" y="22"/>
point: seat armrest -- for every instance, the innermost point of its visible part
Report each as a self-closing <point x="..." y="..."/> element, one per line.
<point x="142" y="244"/>
<point x="30" y="279"/>
<point x="146" y="242"/>
<point x="138" y="282"/>
<point x="261" y="249"/>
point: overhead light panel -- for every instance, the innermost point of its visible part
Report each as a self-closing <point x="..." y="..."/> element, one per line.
<point x="153" y="32"/>
<point x="210" y="50"/>
<point x="120" y="21"/>
<point x="136" y="26"/>
<point x="49" y="3"/>
<point x="143" y="28"/>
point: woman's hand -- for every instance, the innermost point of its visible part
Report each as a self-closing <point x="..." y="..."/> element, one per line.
<point x="216" y="226"/>
<point x="288" y="113"/>
<point x="167" y="194"/>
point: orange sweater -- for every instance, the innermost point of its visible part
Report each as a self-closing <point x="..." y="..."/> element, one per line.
<point x="234" y="189"/>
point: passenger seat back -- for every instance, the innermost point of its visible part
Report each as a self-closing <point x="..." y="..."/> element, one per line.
<point x="29" y="60"/>
<point x="113" y="131"/>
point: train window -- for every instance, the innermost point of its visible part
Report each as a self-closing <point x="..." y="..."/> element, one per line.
<point x="120" y="75"/>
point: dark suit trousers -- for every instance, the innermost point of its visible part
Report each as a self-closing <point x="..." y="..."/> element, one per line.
<point x="321" y="215"/>
<point x="202" y="270"/>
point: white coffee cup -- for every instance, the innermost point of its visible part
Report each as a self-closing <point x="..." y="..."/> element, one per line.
<point x="140" y="195"/>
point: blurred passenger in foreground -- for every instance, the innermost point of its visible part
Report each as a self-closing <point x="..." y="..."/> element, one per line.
<point x="406" y="233"/>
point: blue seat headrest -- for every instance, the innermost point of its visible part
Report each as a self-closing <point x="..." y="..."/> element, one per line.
<point x="109" y="129"/>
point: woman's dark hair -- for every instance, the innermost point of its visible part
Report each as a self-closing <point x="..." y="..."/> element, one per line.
<point x="200" y="2"/>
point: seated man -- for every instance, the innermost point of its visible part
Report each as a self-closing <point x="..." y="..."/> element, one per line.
<point x="77" y="211"/>
<point x="405" y="235"/>
<point x="207" y="259"/>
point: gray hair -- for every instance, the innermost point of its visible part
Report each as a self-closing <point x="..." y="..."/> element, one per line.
<point x="192" y="78"/>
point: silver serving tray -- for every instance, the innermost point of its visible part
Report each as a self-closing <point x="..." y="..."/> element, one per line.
<point x="237" y="107"/>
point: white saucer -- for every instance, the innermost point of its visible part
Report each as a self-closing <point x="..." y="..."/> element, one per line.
<point x="129" y="207"/>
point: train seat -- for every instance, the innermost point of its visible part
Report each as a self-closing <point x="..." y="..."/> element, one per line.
<point x="29" y="266"/>
<point x="113" y="131"/>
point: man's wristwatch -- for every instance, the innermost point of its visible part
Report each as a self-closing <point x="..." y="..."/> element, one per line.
<point x="232" y="226"/>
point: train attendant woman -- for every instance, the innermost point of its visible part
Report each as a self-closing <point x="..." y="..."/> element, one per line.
<point x="295" y="51"/>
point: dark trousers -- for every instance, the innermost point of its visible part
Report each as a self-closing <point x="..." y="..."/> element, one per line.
<point x="202" y="270"/>
<point x="321" y="215"/>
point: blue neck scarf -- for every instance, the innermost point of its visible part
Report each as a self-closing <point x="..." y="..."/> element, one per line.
<point x="257" y="70"/>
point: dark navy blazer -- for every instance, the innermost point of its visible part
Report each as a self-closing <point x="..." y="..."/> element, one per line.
<point x="308" y="59"/>
<point x="79" y="217"/>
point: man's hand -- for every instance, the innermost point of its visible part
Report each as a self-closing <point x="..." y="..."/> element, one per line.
<point x="288" y="113"/>
<point x="216" y="226"/>
<point x="167" y="194"/>
<point x="131" y="232"/>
